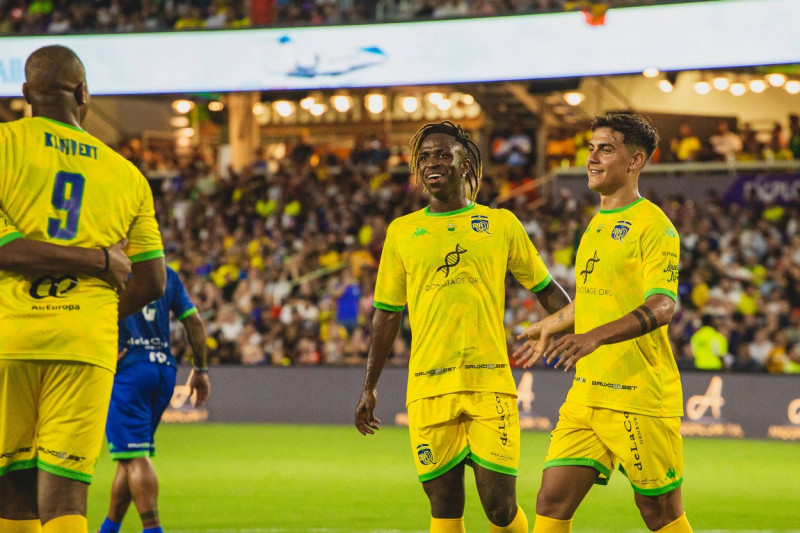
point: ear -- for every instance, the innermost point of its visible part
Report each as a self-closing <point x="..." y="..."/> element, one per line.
<point x="466" y="165"/>
<point x="81" y="93"/>
<point x="638" y="161"/>
<point x="25" y="93"/>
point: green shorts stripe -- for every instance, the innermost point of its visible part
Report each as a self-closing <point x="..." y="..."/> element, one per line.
<point x="602" y="479"/>
<point x="27" y="464"/>
<point x="131" y="455"/>
<point x="500" y="469"/>
<point x="63" y="472"/>
<point x="446" y="467"/>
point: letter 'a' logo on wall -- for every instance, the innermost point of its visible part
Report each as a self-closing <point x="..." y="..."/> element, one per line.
<point x="794" y="411"/>
<point x="712" y="400"/>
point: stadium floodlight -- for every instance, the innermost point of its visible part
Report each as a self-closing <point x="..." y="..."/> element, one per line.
<point x="341" y="102"/>
<point x="702" y="87"/>
<point x="758" y="85"/>
<point x="738" y="88"/>
<point x="665" y="86"/>
<point x="721" y="83"/>
<point x="651" y="72"/>
<point x="375" y="103"/>
<point x="574" y="98"/>
<point x="776" y="79"/>
<point x="182" y="106"/>
<point x="792" y="87"/>
<point x="410" y="104"/>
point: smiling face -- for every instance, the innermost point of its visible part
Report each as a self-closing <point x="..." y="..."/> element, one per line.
<point x="442" y="165"/>
<point x="611" y="165"/>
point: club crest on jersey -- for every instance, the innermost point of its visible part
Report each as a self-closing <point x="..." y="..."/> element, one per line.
<point x="620" y="230"/>
<point x="425" y="455"/>
<point x="480" y="224"/>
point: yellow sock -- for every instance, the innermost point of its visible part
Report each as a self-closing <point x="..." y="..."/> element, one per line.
<point x="20" y="526"/>
<point x="545" y="524"/>
<point x="518" y="525"/>
<point x="70" y="523"/>
<point x="680" y="525"/>
<point x="447" y="525"/>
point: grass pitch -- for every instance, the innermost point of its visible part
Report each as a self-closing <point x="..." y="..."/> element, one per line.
<point x="330" y="479"/>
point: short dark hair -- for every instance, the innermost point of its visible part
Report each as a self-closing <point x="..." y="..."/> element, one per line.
<point x="637" y="131"/>
<point x="473" y="153"/>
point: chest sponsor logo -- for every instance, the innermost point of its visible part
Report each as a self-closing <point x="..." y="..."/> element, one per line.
<point x="451" y="259"/>
<point x="480" y="224"/>
<point x="52" y="286"/>
<point x="620" y="230"/>
<point x="589" y="268"/>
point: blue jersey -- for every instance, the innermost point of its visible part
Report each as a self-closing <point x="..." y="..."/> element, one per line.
<point x="146" y="333"/>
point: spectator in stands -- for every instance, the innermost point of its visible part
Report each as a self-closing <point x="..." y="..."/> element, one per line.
<point x="794" y="136"/>
<point x="725" y="143"/>
<point x="686" y="146"/>
<point x="709" y="346"/>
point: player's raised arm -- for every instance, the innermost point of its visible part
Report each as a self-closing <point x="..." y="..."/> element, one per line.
<point x="385" y="327"/>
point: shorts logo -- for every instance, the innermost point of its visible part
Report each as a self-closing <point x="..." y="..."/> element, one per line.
<point x="425" y="455"/>
<point x="451" y="260"/>
<point x="480" y="224"/>
<point x="620" y="230"/>
<point x="671" y="474"/>
<point x="51" y="286"/>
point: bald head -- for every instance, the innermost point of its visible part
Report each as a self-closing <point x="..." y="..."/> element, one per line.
<point x="53" y="69"/>
<point x="55" y="84"/>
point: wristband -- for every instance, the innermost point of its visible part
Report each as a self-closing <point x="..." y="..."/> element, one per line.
<point x="200" y="369"/>
<point x="105" y="268"/>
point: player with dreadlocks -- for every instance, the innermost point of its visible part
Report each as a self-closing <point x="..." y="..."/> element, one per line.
<point x="448" y="262"/>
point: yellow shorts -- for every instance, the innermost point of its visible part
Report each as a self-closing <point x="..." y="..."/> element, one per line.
<point x="52" y="416"/>
<point x="649" y="449"/>
<point x="481" y="427"/>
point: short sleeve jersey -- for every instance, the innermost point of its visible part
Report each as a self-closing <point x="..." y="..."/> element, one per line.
<point x="59" y="184"/>
<point x="145" y="334"/>
<point x="450" y="269"/>
<point x="625" y="256"/>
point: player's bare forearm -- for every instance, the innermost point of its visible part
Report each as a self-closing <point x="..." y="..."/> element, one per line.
<point x="553" y="297"/>
<point x="654" y="313"/>
<point x="147" y="283"/>
<point x="385" y="327"/>
<point x="196" y="333"/>
<point x="27" y="256"/>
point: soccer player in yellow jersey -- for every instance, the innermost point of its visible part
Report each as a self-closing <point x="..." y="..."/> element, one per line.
<point x="625" y="403"/>
<point x="448" y="262"/>
<point x="75" y="219"/>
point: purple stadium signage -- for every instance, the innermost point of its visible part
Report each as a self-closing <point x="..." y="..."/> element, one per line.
<point x="782" y="189"/>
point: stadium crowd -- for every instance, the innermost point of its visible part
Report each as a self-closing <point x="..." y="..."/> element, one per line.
<point x="281" y="257"/>
<point x="82" y="16"/>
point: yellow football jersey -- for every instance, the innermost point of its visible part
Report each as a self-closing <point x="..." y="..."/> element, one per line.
<point x="450" y="268"/>
<point x="625" y="256"/>
<point x="60" y="184"/>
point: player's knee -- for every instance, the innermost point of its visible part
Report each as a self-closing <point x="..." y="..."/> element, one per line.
<point x="552" y="505"/>
<point x="655" y="516"/>
<point x="502" y="515"/>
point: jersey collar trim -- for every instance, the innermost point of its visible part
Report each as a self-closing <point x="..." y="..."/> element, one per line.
<point x="70" y="126"/>
<point x="456" y="212"/>
<point x="609" y="211"/>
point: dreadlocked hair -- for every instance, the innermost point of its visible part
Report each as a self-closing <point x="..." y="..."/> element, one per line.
<point x="475" y="172"/>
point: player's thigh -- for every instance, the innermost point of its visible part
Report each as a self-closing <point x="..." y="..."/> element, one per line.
<point x="133" y="408"/>
<point x="493" y="434"/>
<point x="575" y="442"/>
<point x="72" y="416"/>
<point x="438" y="436"/>
<point x="649" y="448"/>
<point x="19" y="411"/>
<point x="166" y="386"/>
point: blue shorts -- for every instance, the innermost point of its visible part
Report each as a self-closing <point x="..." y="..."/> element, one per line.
<point x="142" y="391"/>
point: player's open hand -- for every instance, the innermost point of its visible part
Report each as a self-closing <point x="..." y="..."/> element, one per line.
<point x="119" y="266"/>
<point x="567" y="350"/>
<point x="537" y="340"/>
<point x="366" y="423"/>
<point x="199" y="388"/>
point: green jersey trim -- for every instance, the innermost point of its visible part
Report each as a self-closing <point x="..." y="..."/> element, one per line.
<point x="602" y="479"/>
<point x="447" y="214"/>
<point x="609" y="211"/>
<point x="144" y="256"/>
<point x="446" y="467"/>
<point x="542" y="284"/>
<point x="190" y="312"/>
<point x="665" y="292"/>
<point x="27" y="464"/>
<point x="493" y="466"/>
<point x="387" y="307"/>
<point x="70" y="126"/>
<point x="64" y="472"/>
<point x="10" y="237"/>
<point x="116" y="456"/>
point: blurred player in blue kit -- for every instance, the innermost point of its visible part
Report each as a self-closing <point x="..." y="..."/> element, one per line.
<point x="142" y="390"/>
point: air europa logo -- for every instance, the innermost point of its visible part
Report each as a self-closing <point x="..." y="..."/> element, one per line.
<point x="52" y="286"/>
